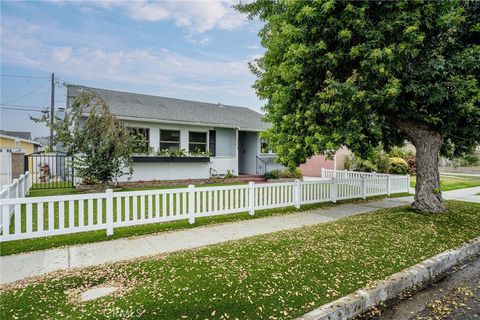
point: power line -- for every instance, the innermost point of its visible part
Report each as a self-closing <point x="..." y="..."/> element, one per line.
<point x="23" y="76"/>
<point x="23" y="109"/>
<point x="19" y="106"/>
<point x="26" y="94"/>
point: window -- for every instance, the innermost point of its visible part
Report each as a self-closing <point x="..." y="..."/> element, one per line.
<point x="212" y="142"/>
<point x="169" y="140"/>
<point x="264" y="146"/>
<point x="197" y="142"/>
<point x="142" y="139"/>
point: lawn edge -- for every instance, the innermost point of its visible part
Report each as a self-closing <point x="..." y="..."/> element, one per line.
<point x="417" y="276"/>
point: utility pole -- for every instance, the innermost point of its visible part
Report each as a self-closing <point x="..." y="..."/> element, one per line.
<point x="52" y="110"/>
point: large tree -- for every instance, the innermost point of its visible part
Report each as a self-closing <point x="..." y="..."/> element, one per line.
<point x="365" y="73"/>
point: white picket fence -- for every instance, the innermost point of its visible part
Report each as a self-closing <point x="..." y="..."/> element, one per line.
<point x="345" y="174"/>
<point x="19" y="188"/>
<point x="56" y="215"/>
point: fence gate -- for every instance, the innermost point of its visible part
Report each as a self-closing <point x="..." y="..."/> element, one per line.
<point x="50" y="170"/>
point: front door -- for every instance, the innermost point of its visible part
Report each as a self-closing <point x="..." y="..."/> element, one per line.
<point x="247" y="152"/>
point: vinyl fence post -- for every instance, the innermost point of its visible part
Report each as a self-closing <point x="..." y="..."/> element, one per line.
<point x="16" y="190"/>
<point x="6" y="213"/>
<point x="323" y="173"/>
<point x="364" y="188"/>
<point x="298" y="194"/>
<point x="333" y="190"/>
<point x="251" y="198"/>
<point x="109" y="211"/>
<point x="191" y="204"/>
<point x="388" y="185"/>
<point x="408" y="184"/>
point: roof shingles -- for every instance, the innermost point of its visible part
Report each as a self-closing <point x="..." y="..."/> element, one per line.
<point x="142" y="106"/>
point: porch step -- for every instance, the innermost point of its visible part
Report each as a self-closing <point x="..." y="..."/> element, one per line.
<point x="251" y="177"/>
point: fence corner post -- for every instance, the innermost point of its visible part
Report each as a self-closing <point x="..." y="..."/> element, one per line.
<point x="298" y="194"/>
<point x="17" y="189"/>
<point x="191" y="203"/>
<point x="251" y="198"/>
<point x="364" y="188"/>
<point x="333" y="190"/>
<point x="109" y="212"/>
<point x="388" y="185"/>
<point x="408" y="183"/>
<point x="323" y="173"/>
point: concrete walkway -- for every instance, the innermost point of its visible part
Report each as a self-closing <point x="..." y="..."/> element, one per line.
<point x="19" y="266"/>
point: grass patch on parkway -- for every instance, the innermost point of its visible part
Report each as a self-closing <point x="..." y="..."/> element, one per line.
<point x="453" y="183"/>
<point x="19" y="246"/>
<point x="279" y="276"/>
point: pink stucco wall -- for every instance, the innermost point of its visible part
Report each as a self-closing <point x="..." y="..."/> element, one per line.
<point x="314" y="165"/>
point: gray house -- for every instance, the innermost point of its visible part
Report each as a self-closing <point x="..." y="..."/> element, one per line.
<point x="215" y="138"/>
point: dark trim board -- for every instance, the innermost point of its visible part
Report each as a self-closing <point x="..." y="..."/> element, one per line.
<point x="169" y="159"/>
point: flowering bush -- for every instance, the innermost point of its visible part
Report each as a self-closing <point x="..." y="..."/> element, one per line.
<point x="182" y="153"/>
<point x="398" y="166"/>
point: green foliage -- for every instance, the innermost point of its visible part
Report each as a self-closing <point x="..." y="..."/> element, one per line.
<point x="229" y="175"/>
<point x="182" y="153"/>
<point x="398" y="166"/>
<point x="291" y="173"/>
<point x="401" y="153"/>
<point x="361" y="73"/>
<point x="377" y="161"/>
<point x="274" y="174"/>
<point x="467" y="160"/>
<point x="295" y="173"/>
<point x="100" y="142"/>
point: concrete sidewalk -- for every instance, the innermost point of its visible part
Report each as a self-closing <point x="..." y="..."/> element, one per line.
<point x="16" y="267"/>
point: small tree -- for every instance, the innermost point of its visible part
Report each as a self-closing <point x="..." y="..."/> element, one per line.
<point x="100" y="142"/>
<point x="362" y="73"/>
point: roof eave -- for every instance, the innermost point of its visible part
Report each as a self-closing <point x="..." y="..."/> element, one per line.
<point x="219" y="125"/>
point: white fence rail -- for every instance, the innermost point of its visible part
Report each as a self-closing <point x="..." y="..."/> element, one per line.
<point x="345" y="174"/>
<point x="17" y="189"/>
<point x="47" y="216"/>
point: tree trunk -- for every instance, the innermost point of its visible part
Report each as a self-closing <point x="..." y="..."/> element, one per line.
<point x="427" y="142"/>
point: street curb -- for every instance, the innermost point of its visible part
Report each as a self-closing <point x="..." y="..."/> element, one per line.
<point x="420" y="274"/>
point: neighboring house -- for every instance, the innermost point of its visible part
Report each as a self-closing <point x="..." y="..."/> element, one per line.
<point x="18" y="139"/>
<point x="313" y="166"/>
<point x="14" y="145"/>
<point x="230" y="134"/>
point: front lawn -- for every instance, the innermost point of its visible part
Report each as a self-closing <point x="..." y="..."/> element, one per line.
<point x="453" y="183"/>
<point x="278" y="276"/>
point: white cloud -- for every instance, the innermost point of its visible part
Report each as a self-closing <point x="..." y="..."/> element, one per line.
<point x="203" y="41"/>
<point x="196" y="16"/>
<point x="61" y="54"/>
<point x="38" y="46"/>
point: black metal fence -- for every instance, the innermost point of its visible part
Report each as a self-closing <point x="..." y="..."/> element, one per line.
<point x="50" y="170"/>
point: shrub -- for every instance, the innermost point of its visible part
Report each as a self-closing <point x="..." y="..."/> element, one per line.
<point x="274" y="174"/>
<point x="398" y="166"/>
<point x="289" y="174"/>
<point x="228" y="175"/>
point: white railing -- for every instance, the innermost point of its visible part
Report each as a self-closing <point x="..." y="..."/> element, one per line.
<point x="345" y="174"/>
<point x="19" y="188"/>
<point x="46" y="216"/>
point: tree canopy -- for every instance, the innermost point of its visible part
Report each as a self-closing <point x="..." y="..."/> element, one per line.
<point x="363" y="73"/>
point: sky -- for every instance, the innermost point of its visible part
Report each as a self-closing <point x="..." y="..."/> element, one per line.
<point x="195" y="50"/>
